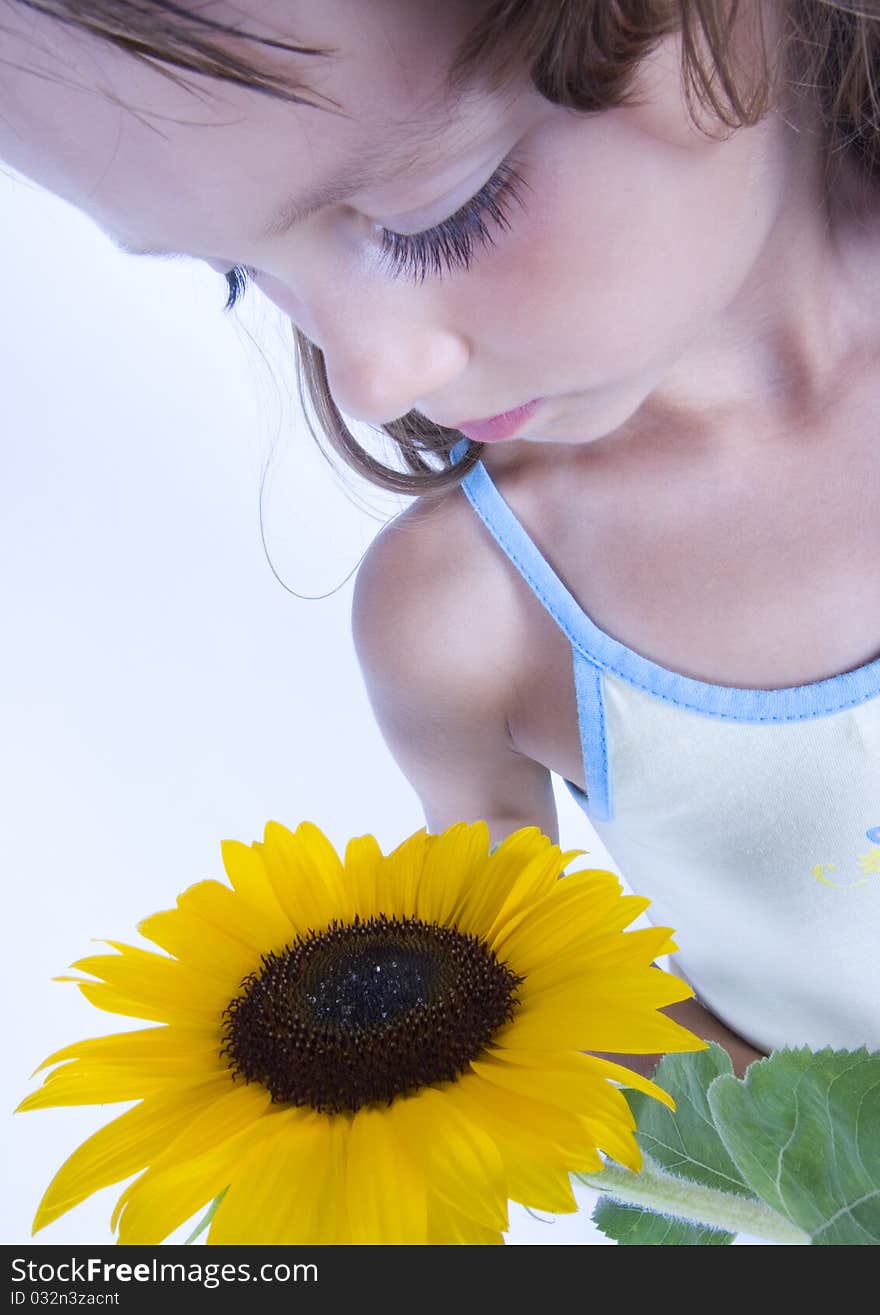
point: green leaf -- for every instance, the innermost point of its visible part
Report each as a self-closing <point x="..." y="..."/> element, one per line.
<point x="654" y="1190"/>
<point x="804" y="1131"/>
<point x="630" y="1225"/>
<point x="686" y="1142"/>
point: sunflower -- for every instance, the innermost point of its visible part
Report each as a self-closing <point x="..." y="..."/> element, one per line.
<point x="385" y="1049"/>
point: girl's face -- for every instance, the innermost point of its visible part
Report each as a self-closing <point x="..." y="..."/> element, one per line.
<point x="616" y="238"/>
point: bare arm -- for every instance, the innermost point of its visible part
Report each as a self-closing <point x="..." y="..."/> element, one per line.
<point x="435" y="657"/>
<point x="435" y="652"/>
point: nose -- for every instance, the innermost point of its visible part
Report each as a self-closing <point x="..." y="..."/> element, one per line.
<point x="376" y="373"/>
<point x="384" y="347"/>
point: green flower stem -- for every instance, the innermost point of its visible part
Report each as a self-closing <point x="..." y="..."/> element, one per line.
<point x="205" y="1219"/>
<point x="665" y="1194"/>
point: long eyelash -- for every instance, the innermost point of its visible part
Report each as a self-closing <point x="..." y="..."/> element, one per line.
<point x="238" y="280"/>
<point x="452" y="244"/>
<point x="442" y="249"/>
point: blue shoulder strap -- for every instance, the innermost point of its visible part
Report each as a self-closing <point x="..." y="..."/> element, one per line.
<point x="547" y="587"/>
<point x="725" y="702"/>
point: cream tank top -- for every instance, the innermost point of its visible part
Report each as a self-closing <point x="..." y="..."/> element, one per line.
<point x="750" y="818"/>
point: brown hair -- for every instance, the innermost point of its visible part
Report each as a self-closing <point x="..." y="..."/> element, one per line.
<point x="581" y="54"/>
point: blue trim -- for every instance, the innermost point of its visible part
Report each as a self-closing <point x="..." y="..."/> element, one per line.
<point x="594" y="741"/>
<point x="729" y="703"/>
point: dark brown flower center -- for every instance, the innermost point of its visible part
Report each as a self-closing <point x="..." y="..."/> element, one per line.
<point x="366" y="1011"/>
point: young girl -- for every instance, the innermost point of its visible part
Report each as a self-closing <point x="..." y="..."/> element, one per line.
<point x="607" y="273"/>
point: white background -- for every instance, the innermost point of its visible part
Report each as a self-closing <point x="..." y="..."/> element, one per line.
<point x="160" y="690"/>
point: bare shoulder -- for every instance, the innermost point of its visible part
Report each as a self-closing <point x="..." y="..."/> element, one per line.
<point x="433" y="605"/>
<point x="439" y="635"/>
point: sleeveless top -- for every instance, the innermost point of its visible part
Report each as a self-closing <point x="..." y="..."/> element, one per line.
<point x="749" y="817"/>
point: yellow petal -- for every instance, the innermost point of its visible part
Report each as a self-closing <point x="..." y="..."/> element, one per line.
<point x="306" y="876"/>
<point x="366" y="891"/>
<point x="163" y="1045"/>
<point x="534" y="885"/>
<point x="454" y="862"/>
<point x="644" y="944"/>
<point x="250" y="881"/>
<point x="201" y="947"/>
<point x="560" y="1021"/>
<point x="539" y="1185"/>
<point x="618" y="1141"/>
<point x="229" y="913"/>
<point x="575" y="1086"/>
<point x="558" y="923"/>
<point x="530" y="1181"/>
<point x="290" y="1190"/>
<point x="461" y="1162"/>
<point x="577" y="902"/>
<point x="629" y="1078"/>
<point x="157" y="1204"/>
<point x="321" y="854"/>
<point x="386" y="1193"/>
<point x="449" y="1227"/>
<point x="604" y="1070"/>
<point x="96" y="1085"/>
<point x="236" y="1107"/>
<point x="195" y="1168"/>
<point x="598" y="991"/>
<point x="634" y="949"/>
<point x="481" y="900"/>
<point x="158" y="981"/>
<point x="403" y="872"/>
<point x="537" y="1131"/>
<point x="187" y="1013"/>
<point x="122" y="1147"/>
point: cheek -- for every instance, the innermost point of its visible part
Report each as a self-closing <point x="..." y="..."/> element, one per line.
<point x="286" y="300"/>
<point x="628" y="260"/>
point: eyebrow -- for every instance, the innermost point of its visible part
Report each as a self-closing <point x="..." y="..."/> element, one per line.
<point x="376" y="167"/>
<point x="293" y="210"/>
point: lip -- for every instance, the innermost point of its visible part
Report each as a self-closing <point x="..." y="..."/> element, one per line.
<point x="496" y="428"/>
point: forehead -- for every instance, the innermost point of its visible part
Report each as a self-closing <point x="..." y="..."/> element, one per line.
<point x="141" y="153"/>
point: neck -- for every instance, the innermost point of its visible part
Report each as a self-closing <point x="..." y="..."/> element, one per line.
<point x="805" y="310"/>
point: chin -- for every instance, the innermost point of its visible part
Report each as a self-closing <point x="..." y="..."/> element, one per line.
<point x="589" y="421"/>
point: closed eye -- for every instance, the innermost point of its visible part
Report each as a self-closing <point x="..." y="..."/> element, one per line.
<point x="453" y="244"/>
<point x="442" y="249"/>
